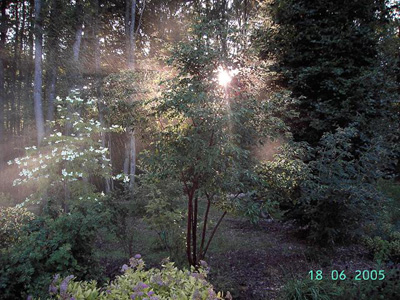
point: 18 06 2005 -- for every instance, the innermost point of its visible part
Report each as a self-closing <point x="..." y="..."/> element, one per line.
<point x="358" y="275"/>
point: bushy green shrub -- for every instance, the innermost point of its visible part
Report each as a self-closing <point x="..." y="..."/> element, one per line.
<point x="138" y="283"/>
<point x="165" y="214"/>
<point x="121" y="209"/>
<point x="12" y="219"/>
<point x="382" y="237"/>
<point x="328" y="190"/>
<point x="384" y="249"/>
<point x="65" y="245"/>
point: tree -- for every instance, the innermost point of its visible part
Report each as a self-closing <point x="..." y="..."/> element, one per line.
<point x="3" y="31"/>
<point x="198" y="141"/>
<point x="329" y="55"/>
<point x="53" y="35"/>
<point x="37" y="93"/>
<point x="57" y="170"/>
<point x="130" y="146"/>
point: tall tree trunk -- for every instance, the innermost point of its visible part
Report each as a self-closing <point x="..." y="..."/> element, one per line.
<point x="21" y="73"/>
<point x="130" y="146"/>
<point x="127" y="21"/>
<point x="132" y="36"/>
<point x="37" y="93"/>
<point x="29" y="71"/>
<point x="53" y="53"/>
<point x="3" y="31"/>
<point x="97" y="58"/>
<point x="75" y="74"/>
<point x="132" y="157"/>
<point x="14" y="73"/>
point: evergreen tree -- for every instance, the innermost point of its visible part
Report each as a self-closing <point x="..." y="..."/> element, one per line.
<point x="327" y="52"/>
<point x="329" y="55"/>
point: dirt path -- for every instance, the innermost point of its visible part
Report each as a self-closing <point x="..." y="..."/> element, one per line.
<point x="254" y="262"/>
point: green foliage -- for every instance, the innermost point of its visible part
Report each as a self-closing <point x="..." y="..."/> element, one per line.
<point x="384" y="249"/>
<point x="122" y="94"/>
<point x="282" y="177"/>
<point x="12" y="219"/>
<point x="391" y="207"/>
<point x="120" y="210"/>
<point x="339" y="195"/>
<point x="382" y="237"/>
<point x="204" y="132"/>
<point x="138" y="283"/>
<point x="307" y="289"/>
<point x="328" y="189"/>
<point x="327" y="53"/>
<point x="165" y="213"/>
<point x="65" y="244"/>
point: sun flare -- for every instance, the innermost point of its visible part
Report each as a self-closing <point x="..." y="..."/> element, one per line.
<point x="224" y="78"/>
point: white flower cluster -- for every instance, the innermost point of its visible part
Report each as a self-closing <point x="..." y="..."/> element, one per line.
<point x="71" y="174"/>
<point x="125" y="178"/>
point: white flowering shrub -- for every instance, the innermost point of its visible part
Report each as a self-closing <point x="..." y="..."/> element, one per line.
<point x="70" y="155"/>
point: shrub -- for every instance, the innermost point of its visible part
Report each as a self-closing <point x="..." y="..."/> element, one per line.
<point x="122" y="209"/>
<point x="384" y="249"/>
<point x="138" y="283"/>
<point x="12" y="219"/>
<point x="47" y="245"/>
<point x="328" y="190"/>
<point x="382" y="237"/>
<point x="165" y="214"/>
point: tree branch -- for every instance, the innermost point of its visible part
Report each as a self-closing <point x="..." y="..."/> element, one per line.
<point x="140" y="18"/>
<point x="213" y="233"/>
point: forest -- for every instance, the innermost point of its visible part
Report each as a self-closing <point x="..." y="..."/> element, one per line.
<point x="200" y="149"/>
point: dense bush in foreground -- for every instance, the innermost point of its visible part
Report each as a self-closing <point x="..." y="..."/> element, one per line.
<point x="137" y="283"/>
<point x="45" y="246"/>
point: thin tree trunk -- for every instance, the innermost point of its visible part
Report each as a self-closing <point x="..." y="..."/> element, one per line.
<point x="37" y="93"/>
<point x="30" y="67"/>
<point x="75" y="75"/>
<point x="194" y="230"/>
<point x="130" y="147"/>
<point x="132" y="157"/>
<point x="132" y="36"/>
<point x="53" y="53"/>
<point x="189" y="229"/>
<point x="14" y="74"/>
<point x="77" y="44"/>
<point x="127" y="21"/>
<point x="21" y="74"/>
<point x="126" y="160"/>
<point x="51" y="89"/>
<point x="3" y="30"/>
<point x="98" y="83"/>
